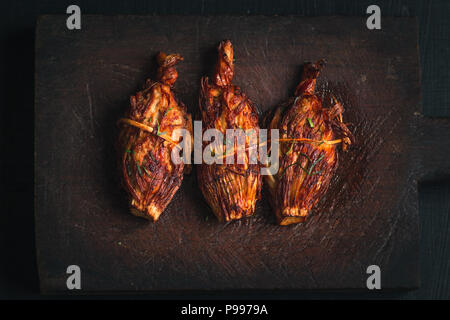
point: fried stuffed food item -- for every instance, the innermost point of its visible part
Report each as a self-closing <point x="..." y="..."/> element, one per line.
<point x="309" y="135"/>
<point x="145" y="142"/>
<point x="231" y="190"/>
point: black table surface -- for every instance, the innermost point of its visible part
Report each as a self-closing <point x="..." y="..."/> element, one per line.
<point x="18" y="273"/>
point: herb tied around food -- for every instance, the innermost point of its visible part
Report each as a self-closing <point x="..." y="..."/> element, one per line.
<point x="309" y="170"/>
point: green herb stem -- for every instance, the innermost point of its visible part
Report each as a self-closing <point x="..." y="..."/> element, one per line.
<point x="314" y="164"/>
<point x="139" y="168"/>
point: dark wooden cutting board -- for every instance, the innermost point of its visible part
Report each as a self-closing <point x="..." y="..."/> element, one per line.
<point x="370" y="215"/>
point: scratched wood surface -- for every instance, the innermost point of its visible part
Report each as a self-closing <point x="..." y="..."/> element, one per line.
<point x="369" y="216"/>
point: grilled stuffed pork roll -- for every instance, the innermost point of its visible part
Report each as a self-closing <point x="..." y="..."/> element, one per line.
<point x="231" y="190"/>
<point x="145" y="142"/>
<point x="309" y="137"/>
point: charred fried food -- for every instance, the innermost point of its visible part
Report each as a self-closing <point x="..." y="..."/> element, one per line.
<point x="231" y="190"/>
<point x="309" y="136"/>
<point x="149" y="176"/>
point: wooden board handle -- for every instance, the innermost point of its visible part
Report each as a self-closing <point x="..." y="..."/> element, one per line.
<point x="433" y="148"/>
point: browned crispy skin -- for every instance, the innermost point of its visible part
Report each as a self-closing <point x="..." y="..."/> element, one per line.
<point x="149" y="176"/>
<point x="231" y="190"/>
<point x="306" y="168"/>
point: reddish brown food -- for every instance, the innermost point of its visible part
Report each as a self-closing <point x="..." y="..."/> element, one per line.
<point x="309" y="136"/>
<point x="231" y="190"/>
<point x="145" y="145"/>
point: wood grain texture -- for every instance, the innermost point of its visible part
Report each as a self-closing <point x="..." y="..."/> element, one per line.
<point x="84" y="79"/>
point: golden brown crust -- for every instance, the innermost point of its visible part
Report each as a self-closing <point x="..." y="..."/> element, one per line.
<point x="149" y="175"/>
<point x="306" y="168"/>
<point x="231" y="190"/>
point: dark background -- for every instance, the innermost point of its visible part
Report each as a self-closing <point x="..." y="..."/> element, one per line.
<point x="18" y="274"/>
